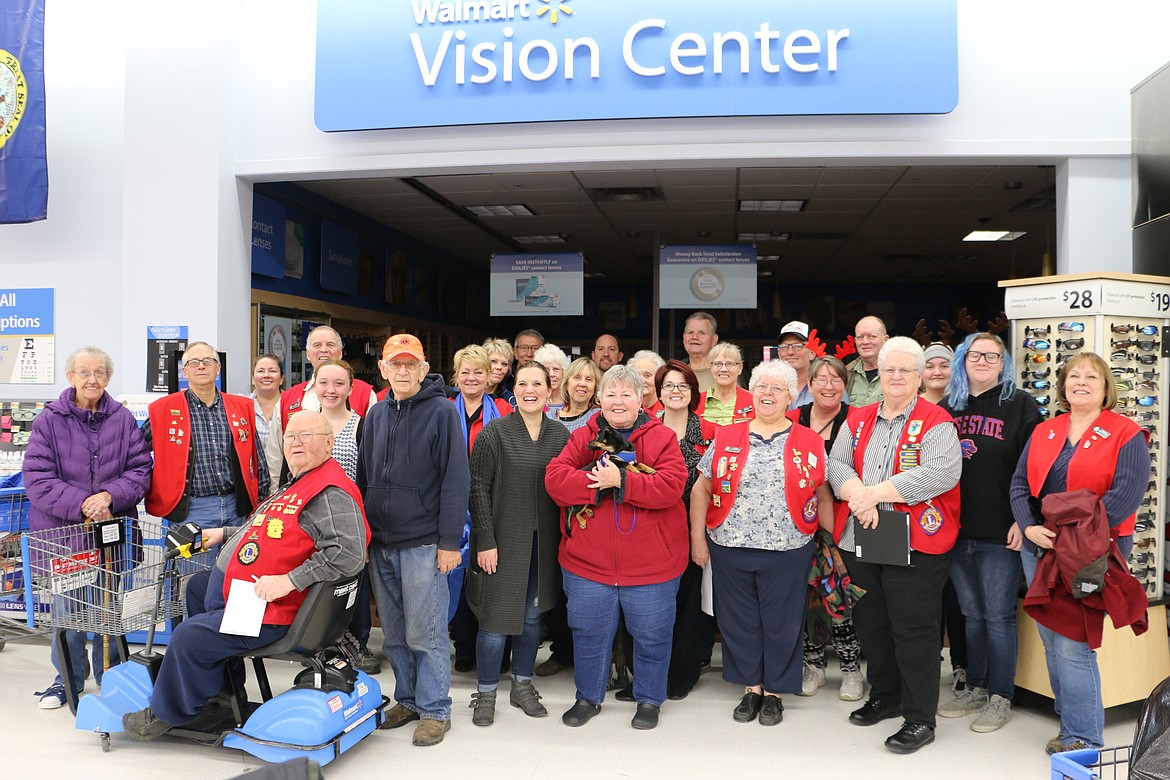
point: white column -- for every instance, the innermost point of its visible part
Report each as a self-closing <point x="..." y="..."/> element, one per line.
<point x="1093" y="215"/>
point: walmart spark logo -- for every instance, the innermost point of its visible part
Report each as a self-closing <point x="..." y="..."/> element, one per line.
<point x="553" y="7"/>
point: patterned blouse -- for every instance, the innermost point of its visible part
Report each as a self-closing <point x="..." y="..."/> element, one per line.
<point x="345" y="446"/>
<point x="759" y="518"/>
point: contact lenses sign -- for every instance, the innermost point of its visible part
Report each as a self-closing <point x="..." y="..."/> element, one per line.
<point x="418" y="63"/>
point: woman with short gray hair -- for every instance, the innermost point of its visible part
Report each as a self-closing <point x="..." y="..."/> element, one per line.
<point x="624" y="545"/>
<point x="556" y="362"/>
<point x="86" y="461"/>
<point x="647" y="363"/>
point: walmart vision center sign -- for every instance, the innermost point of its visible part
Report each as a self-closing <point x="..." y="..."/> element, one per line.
<point x="422" y="63"/>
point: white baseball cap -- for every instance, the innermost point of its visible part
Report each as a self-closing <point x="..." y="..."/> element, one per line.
<point x="795" y="328"/>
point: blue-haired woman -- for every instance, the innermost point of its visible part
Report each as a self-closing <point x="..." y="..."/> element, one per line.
<point x="994" y="420"/>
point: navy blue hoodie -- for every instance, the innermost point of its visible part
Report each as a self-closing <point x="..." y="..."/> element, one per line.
<point x="412" y="470"/>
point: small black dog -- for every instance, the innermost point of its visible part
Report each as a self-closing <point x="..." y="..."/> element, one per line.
<point x="608" y="441"/>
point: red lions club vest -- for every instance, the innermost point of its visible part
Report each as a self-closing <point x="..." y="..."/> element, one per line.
<point x="1093" y="463"/>
<point x="934" y="523"/>
<point x="804" y="470"/>
<point x="170" y="428"/>
<point x="290" y="400"/>
<point x="274" y="542"/>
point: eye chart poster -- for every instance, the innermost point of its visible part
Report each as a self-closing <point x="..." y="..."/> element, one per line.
<point x="26" y="336"/>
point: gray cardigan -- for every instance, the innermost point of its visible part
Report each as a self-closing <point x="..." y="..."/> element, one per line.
<point x="509" y="504"/>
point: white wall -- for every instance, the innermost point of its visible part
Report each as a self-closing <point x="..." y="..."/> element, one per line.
<point x="155" y="108"/>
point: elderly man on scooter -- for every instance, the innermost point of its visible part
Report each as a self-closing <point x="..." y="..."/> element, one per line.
<point x="312" y="530"/>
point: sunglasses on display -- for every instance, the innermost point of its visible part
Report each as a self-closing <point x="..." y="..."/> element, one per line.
<point x="1029" y="358"/>
<point x="1043" y="400"/>
<point x="1145" y="330"/>
<point x="1063" y="358"/>
<point x="1141" y="527"/>
<point x="1120" y="371"/>
<point x="1036" y="345"/>
<point x="1045" y="412"/>
<point x="1071" y="327"/>
<point x="1041" y="384"/>
<point x="1147" y="360"/>
<point x="1148" y="400"/>
<point x="1153" y="484"/>
<point x="1150" y="500"/>
<point x="1145" y="542"/>
<point x="1142" y="344"/>
<point x="1149" y="375"/>
<point x="1124" y="386"/>
<point x="1038" y="331"/>
<point x="1070" y="344"/>
<point x="1147" y="384"/>
<point x="1043" y="374"/>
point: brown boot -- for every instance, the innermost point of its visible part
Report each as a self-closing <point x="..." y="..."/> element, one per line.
<point x="430" y="732"/>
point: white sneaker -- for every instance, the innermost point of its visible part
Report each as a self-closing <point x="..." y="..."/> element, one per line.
<point x="852" y="686"/>
<point x="997" y="712"/>
<point x="968" y="701"/>
<point x="811" y="679"/>
<point x="52" y="697"/>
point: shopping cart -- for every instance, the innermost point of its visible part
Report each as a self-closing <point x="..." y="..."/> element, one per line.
<point x="106" y="578"/>
<point x="13" y="520"/>
<point x="1091" y="764"/>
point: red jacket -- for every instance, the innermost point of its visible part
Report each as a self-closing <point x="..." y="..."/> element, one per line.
<point x="804" y="472"/>
<point x="170" y="428"/>
<point x="934" y="524"/>
<point x="1094" y="460"/>
<point x="640" y="539"/>
<point x="1082" y="536"/>
<point x="276" y="544"/>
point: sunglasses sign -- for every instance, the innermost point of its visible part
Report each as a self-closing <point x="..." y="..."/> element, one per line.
<point x="422" y="63"/>
<point x="26" y="336"/>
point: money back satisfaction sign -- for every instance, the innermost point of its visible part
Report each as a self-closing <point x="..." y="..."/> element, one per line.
<point x="419" y="63"/>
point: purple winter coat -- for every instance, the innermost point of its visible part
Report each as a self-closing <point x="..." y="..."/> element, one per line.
<point x="74" y="453"/>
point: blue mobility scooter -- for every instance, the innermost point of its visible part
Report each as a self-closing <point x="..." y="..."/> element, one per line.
<point x="330" y="708"/>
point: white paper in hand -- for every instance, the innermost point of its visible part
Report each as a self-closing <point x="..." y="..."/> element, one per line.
<point x="244" y="612"/>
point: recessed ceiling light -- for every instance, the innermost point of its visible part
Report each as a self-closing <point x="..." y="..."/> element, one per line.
<point x="501" y="210"/>
<point x="994" y="235"/>
<point x="771" y="205"/>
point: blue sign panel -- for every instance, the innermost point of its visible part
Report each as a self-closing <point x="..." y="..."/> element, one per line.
<point x="267" y="237"/>
<point x="538" y="285"/>
<point x="419" y="63"/>
<point x="26" y="312"/>
<point x="339" y="258"/>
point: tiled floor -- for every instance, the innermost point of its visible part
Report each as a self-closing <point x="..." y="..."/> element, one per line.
<point x="695" y="739"/>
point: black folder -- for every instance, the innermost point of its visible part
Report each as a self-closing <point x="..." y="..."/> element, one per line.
<point x="888" y="543"/>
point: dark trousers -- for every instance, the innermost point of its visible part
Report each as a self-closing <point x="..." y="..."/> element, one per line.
<point x="760" y="598"/>
<point x="193" y="667"/>
<point x="898" y="623"/>
<point x="464" y="627"/>
<point x="360" y="624"/>
<point x="685" y="660"/>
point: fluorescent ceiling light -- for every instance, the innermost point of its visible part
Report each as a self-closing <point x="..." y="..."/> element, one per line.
<point x="771" y="205"/>
<point x="503" y="210"/>
<point x="994" y="235"/>
<point x="539" y="239"/>
<point x="765" y="236"/>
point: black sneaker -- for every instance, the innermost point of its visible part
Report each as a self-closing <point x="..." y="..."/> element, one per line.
<point x="367" y="662"/>
<point x="144" y="726"/>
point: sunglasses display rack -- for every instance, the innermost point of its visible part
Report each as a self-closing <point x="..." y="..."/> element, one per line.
<point x="16" y="418"/>
<point x="1123" y="319"/>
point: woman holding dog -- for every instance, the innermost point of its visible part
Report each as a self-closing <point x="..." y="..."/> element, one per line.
<point x="515" y="529"/>
<point x="624" y="544"/>
<point x="755" y="506"/>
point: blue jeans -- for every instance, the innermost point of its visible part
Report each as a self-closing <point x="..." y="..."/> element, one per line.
<point x="75" y="641"/>
<point x="213" y="511"/>
<point x="986" y="576"/>
<point x="412" y="601"/>
<point x="490" y="646"/>
<point x="593" y="617"/>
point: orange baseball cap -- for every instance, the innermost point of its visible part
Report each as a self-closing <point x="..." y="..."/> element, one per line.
<point x="403" y="344"/>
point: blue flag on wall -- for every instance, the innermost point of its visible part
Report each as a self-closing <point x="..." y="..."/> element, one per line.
<point x="24" y="173"/>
